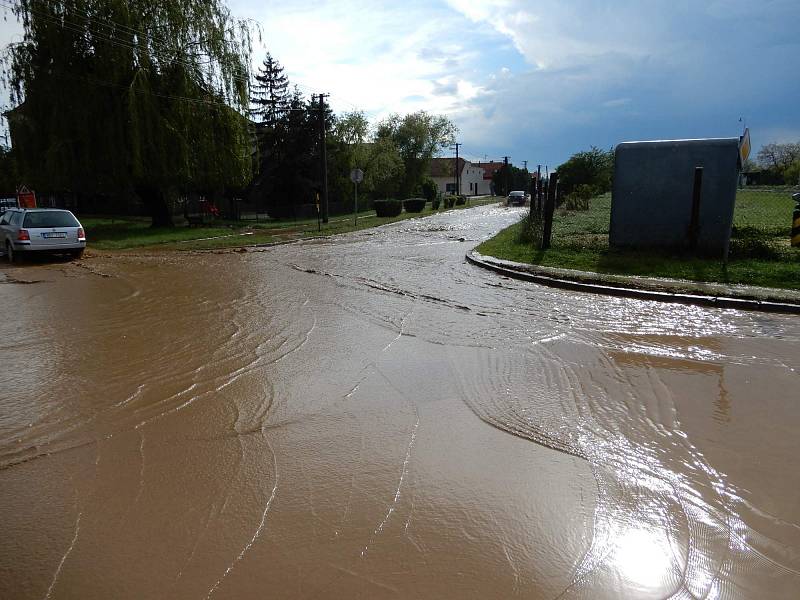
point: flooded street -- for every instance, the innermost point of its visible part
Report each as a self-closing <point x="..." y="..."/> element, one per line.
<point x="369" y="416"/>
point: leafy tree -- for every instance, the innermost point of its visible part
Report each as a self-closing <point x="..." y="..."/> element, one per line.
<point x="352" y="131"/>
<point x="750" y="166"/>
<point x="384" y="170"/>
<point x="430" y="190"/>
<point x="418" y="137"/>
<point x="792" y="173"/>
<point x="518" y="179"/>
<point x="594" y="167"/>
<point x="350" y="135"/>
<point x="780" y="160"/>
<point x="778" y="157"/>
<point x="115" y="95"/>
<point x="8" y="172"/>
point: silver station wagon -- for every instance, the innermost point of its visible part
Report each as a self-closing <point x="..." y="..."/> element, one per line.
<point x="29" y="230"/>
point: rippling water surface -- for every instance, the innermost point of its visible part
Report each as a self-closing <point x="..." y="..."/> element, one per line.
<point x="369" y="416"/>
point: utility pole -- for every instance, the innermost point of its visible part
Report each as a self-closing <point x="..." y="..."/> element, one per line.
<point x="456" y="174"/>
<point x="506" y="170"/>
<point x="323" y="156"/>
<point x="539" y="188"/>
<point x="527" y="176"/>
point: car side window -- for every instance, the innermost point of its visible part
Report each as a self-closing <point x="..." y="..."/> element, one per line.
<point x="4" y="219"/>
<point x="16" y="219"/>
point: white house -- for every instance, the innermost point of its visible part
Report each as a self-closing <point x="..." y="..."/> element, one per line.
<point x="473" y="183"/>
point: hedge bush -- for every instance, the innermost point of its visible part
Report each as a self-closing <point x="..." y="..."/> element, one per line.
<point x="388" y="208"/>
<point x="429" y="189"/>
<point x="461" y="200"/>
<point x="435" y="203"/>
<point x="414" y="205"/>
<point x="449" y="201"/>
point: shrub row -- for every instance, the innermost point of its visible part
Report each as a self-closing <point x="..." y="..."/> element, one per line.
<point x="414" y="205"/>
<point x="393" y="208"/>
<point x="388" y="208"/>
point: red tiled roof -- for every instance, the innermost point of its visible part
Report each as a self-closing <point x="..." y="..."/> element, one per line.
<point x="489" y="168"/>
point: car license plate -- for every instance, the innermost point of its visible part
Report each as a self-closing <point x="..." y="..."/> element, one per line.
<point x="55" y="234"/>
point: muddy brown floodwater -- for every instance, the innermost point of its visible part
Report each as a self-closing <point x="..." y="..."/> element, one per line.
<point x="368" y="416"/>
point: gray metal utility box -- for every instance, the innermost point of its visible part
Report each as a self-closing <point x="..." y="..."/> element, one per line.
<point x="654" y="204"/>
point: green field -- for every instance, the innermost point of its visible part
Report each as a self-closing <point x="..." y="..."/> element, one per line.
<point x="760" y="252"/>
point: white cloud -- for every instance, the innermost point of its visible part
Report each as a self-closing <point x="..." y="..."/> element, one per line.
<point x="382" y="59"/>
<point x="552" y="76"/>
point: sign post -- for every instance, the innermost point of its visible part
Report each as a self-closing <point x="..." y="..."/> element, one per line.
<point x="744" y="147"/>
<point x="319" y="224"/>
<point x="356" y="176"/>
<point x="26" y="198"/>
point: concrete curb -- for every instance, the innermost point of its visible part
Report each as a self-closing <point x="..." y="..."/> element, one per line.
<point x="526" y="273"/>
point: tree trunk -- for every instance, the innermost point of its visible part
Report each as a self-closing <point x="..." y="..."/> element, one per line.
<point x="156" y="203"/>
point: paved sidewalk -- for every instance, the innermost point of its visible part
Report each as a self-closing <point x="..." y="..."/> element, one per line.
<point x="648" y="288"/>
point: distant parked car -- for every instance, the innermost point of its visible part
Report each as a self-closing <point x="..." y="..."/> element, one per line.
<point x="516" y="199"/>
<point x="29" y="230"/>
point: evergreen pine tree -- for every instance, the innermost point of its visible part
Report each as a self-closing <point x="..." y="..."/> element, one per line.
<point x="270" y="92"/>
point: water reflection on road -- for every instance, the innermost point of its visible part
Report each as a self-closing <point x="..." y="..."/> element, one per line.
<point x="370" y="416"/>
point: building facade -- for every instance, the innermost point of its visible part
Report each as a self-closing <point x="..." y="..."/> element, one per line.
<point x="472" y="177"/>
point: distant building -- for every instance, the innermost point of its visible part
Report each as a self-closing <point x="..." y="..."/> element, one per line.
<point x="489" y="169"/>
<point x="472" y="177"/>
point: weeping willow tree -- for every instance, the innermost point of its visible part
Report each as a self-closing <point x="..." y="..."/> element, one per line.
<point x="130" y="95"/>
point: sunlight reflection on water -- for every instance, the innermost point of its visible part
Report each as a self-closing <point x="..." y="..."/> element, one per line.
<point x="643" y="558"/>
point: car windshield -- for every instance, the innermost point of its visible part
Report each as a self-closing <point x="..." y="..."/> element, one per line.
<point x="48" y="218"/>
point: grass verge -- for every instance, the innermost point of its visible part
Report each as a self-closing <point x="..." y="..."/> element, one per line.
<point x="132" y="232"/>
<point x="760" y="251"/>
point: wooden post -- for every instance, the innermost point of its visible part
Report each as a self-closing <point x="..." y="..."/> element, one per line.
<point x="539" y="188"/>
<point x="549" y="209"/>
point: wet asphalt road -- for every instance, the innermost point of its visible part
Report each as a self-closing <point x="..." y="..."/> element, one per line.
<point x="369" y="416"/>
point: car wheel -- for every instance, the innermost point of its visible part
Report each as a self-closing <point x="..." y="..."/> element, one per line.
<point x="76" y="254"/>
<point x="10" y="253"/>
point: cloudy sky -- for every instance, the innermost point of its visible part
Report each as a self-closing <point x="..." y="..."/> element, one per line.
<point x="539" y="80"/>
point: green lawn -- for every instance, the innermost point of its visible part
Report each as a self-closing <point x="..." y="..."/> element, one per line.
<point x="133" y="232"/>
<point x="760" y="251"/>
<point x="116" y="234"/>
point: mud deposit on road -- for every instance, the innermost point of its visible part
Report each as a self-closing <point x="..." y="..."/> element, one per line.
<point x="371" y="417"/>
